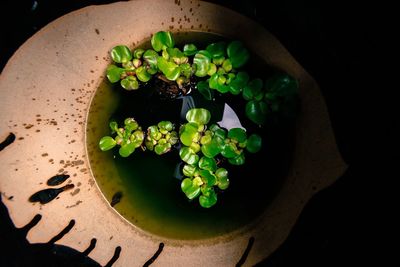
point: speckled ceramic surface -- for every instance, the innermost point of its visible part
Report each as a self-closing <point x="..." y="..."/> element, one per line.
<point x="45" y="94"/>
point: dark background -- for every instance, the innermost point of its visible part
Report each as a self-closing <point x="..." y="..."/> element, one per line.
<point x="348" y="49"/>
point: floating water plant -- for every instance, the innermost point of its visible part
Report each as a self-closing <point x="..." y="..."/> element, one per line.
<point x="204" y="148"/>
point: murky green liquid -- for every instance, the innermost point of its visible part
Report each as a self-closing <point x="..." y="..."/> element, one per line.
<point x="152" y="198"/>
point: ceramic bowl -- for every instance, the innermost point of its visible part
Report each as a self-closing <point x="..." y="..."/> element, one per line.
<point x="46" y="90"/>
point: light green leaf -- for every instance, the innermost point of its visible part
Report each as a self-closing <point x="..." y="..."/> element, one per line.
<point x="162" y="40"/>
<point x="107" y="143"/>
<point x="202" y="62"/>
<point x="114" y="73"/>
<point x="121" y="54"/>
<point x="200" y="116"/>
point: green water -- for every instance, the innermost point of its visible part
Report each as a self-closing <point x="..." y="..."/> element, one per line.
<point x="152" y="198"/>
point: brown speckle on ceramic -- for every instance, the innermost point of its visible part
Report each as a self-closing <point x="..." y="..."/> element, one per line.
<point x="64" y="63"/>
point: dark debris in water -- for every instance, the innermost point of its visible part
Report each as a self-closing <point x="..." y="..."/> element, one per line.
<point x="116" y="198"/>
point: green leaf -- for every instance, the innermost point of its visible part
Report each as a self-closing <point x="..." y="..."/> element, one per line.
<point x="189" y="49"/>
<point x="257" y="111"/>
<point x="229" y="151"/>
<point x="253" y="89"/>
<point x="162" y="40"/>
<point x="114" y="73"/>
<point x="162" y="148"/>
<point x="113" y="126"/>
<point x="175" y="52"/>
<point x="222" y="177"/>
<point x="209" y="178"/>
<point x="237" y="84"/>
<point x="121" y="54"/>
<point x="211" y="149"/>
<point x="200" y="116"/>
<point x="209" y="164"/>
<point x="191" y="188"/>
<point x="186" y="70"/>
<point x="188" y="156"/>
<point x="203" y="88"/>
<point x="202" y="62"/>
<point x="130" y="83"/>
<point x="209" y="200"/>
<point x="282" y="85"/>
<point x="138" y="53"/>
<point x="216" y="50"/>
<point x="167" y="125"/>
<point x="238" y="160"/>
<point x="107" y="143"/>
<point x="137" y="138"/>
<point x="189" y="170"/>
<point x="142" y="74"/>
<point x="254" y="143"/>
<point x="227" y="65"/>
<point x="238" y="54"/>
<point x="169" y="69"/>
<point x="238" y="134"/>
<point x="150" y="56"/>
<point x="188" y="132"/>
<point x="126" y="150"/>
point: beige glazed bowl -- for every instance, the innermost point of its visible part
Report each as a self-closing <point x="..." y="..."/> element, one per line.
<point x="46" y="107"/>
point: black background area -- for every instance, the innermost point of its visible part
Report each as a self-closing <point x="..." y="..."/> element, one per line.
<point x="348" y="49"/>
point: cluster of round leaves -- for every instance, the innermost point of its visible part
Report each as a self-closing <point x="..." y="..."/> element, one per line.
<point x="128" y="137"/>
<point x="159" y="138"/>
<point x="217" y="66"/>
<point x="202" y="147"/>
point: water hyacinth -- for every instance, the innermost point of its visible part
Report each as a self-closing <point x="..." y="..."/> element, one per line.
<point x="204" y="148"/>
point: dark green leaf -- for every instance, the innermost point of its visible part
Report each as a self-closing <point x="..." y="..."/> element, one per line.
<point x="216" y="50"/>
<point x="162" y="40"/>
<point x="121" y="54"/>
<point x="254" y="143"/>
<point x="237" y="84"/>
<point x="257" y="111"/>
<point x="211" y="149"/>
<point x="238" y="54"/>
<point x="229" y="151"/>
<point x="282" y="85"/>
<point x="107" y="143"/>
<point x="209" y="178"/>
<point x="238" y="134"/>
<point x="253" y="89"/>
<point x="203" y="88"/>
<point x="239" y="160"/>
